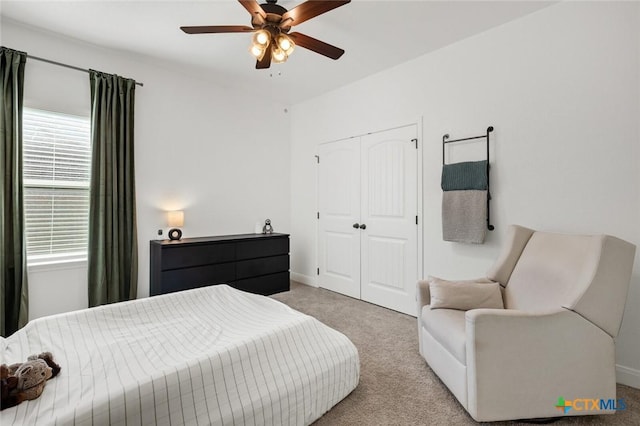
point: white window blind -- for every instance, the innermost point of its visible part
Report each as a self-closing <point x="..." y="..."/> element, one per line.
<point x="56" y="167"/>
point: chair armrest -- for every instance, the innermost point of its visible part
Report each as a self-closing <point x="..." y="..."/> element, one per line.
<point x="532" y="358"/>
<point x="482" y="316"/>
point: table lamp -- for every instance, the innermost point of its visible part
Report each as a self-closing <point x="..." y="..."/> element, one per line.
<point x="174" y="220"/>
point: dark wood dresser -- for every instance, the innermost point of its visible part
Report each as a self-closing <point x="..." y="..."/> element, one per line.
<point x="257" y="263"/>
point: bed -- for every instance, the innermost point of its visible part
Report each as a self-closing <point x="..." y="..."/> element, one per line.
<point x="213" y="355"/>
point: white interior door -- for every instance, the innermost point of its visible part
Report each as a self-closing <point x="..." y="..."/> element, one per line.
<point x="339" y="210"/>
<point x="389" y="208"/>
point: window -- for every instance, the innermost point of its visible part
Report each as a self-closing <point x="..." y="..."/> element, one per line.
<point x="57" y="163"/>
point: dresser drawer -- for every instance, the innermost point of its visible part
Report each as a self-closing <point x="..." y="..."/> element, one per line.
<point x="253" y="262"/>
<point x="266" y="284"/>
<point x="262" y="266"/>
<point x="262" y="247"/>
<point x="199" y="276"/>
<point x="195" y="255"/>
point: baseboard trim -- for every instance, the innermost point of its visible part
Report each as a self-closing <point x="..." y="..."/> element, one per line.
<point x="628" y="376"/>
<point x="304" y="279"/>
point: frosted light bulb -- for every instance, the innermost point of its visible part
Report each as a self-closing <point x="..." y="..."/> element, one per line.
<point x="261" y="37"/>
<point x="257" y="51"/>
<point x="278" y="55"/>
<point x="285" y="43"/>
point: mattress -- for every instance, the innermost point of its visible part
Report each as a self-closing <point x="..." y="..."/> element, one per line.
<point x="213" y="355"/>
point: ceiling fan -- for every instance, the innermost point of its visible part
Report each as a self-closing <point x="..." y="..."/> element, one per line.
<point x="271" y="24"/>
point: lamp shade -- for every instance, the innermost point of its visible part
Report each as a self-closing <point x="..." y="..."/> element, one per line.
<point x="285" y="43"/>
<point x="257" y="51"/>
<point x="262" y="38"/>
<point x="278" y="55"/>
<point x="175" y="218"/>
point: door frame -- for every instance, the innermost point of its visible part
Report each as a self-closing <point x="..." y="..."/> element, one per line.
<point x="418" y="122"/>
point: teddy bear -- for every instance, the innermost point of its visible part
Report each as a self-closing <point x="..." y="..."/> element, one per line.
<point x="48" y="358"/>
<point x="8" y="385"/>
<point x="25" y="381"/>
<point x="32" y="377"/>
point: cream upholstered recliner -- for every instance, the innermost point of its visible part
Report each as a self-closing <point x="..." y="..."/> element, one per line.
<point x="564" y="296"/>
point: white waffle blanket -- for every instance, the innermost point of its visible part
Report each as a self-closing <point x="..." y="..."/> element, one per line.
<point x="213" y="355"/>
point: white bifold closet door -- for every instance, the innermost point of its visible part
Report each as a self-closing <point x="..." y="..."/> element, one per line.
<point x="339" y="209"/>
<point x="368" y="236"/>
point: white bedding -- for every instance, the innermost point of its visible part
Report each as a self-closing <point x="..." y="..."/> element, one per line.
<point x="213" y="355"/>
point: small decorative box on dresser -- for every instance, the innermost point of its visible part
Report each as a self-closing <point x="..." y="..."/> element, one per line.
<point x="257" y="263"/>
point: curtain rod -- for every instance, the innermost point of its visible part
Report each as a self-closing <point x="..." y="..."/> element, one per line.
<point x="66" y="65"/>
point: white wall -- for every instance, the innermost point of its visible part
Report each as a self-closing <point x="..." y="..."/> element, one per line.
<point x="219" y="154"/>
<point x="561" y="88"/>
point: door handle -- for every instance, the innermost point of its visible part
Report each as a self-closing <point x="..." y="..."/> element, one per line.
<point x="363" y="226"/>
<point x="356" y="225"/>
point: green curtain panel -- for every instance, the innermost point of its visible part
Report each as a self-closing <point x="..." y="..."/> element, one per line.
<point x="13" y="254"/>
<point x="113" y="245"/>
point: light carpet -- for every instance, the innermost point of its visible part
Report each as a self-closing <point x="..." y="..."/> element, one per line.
<point x="397" y="387"/>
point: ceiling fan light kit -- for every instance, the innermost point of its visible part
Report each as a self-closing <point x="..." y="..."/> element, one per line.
<point x="281" y="46"/>
<point x="271" y="41"/>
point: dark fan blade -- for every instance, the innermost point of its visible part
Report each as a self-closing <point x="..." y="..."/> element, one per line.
<point x="217" y="29"/>
<point x="265" y="62"/>
<point x="310" y="9"/>
<point x="254" y="9"/>
<point x="316" y="45"/>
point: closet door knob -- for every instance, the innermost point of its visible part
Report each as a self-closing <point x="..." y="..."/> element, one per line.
<point x="363" y="226"/>
<point x="356" y="225"/>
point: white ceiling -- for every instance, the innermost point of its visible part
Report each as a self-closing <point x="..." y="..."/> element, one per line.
<point x="375" y="35"/>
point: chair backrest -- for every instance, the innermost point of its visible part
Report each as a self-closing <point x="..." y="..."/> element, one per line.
<point x="588" y="274"/>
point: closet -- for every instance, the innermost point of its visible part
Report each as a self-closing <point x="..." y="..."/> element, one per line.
<point x="368" y="217"/>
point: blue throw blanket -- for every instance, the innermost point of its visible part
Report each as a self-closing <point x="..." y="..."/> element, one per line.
<point x="462" y="176"/>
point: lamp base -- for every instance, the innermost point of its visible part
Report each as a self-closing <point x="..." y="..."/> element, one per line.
<point x="175" y="234"/>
